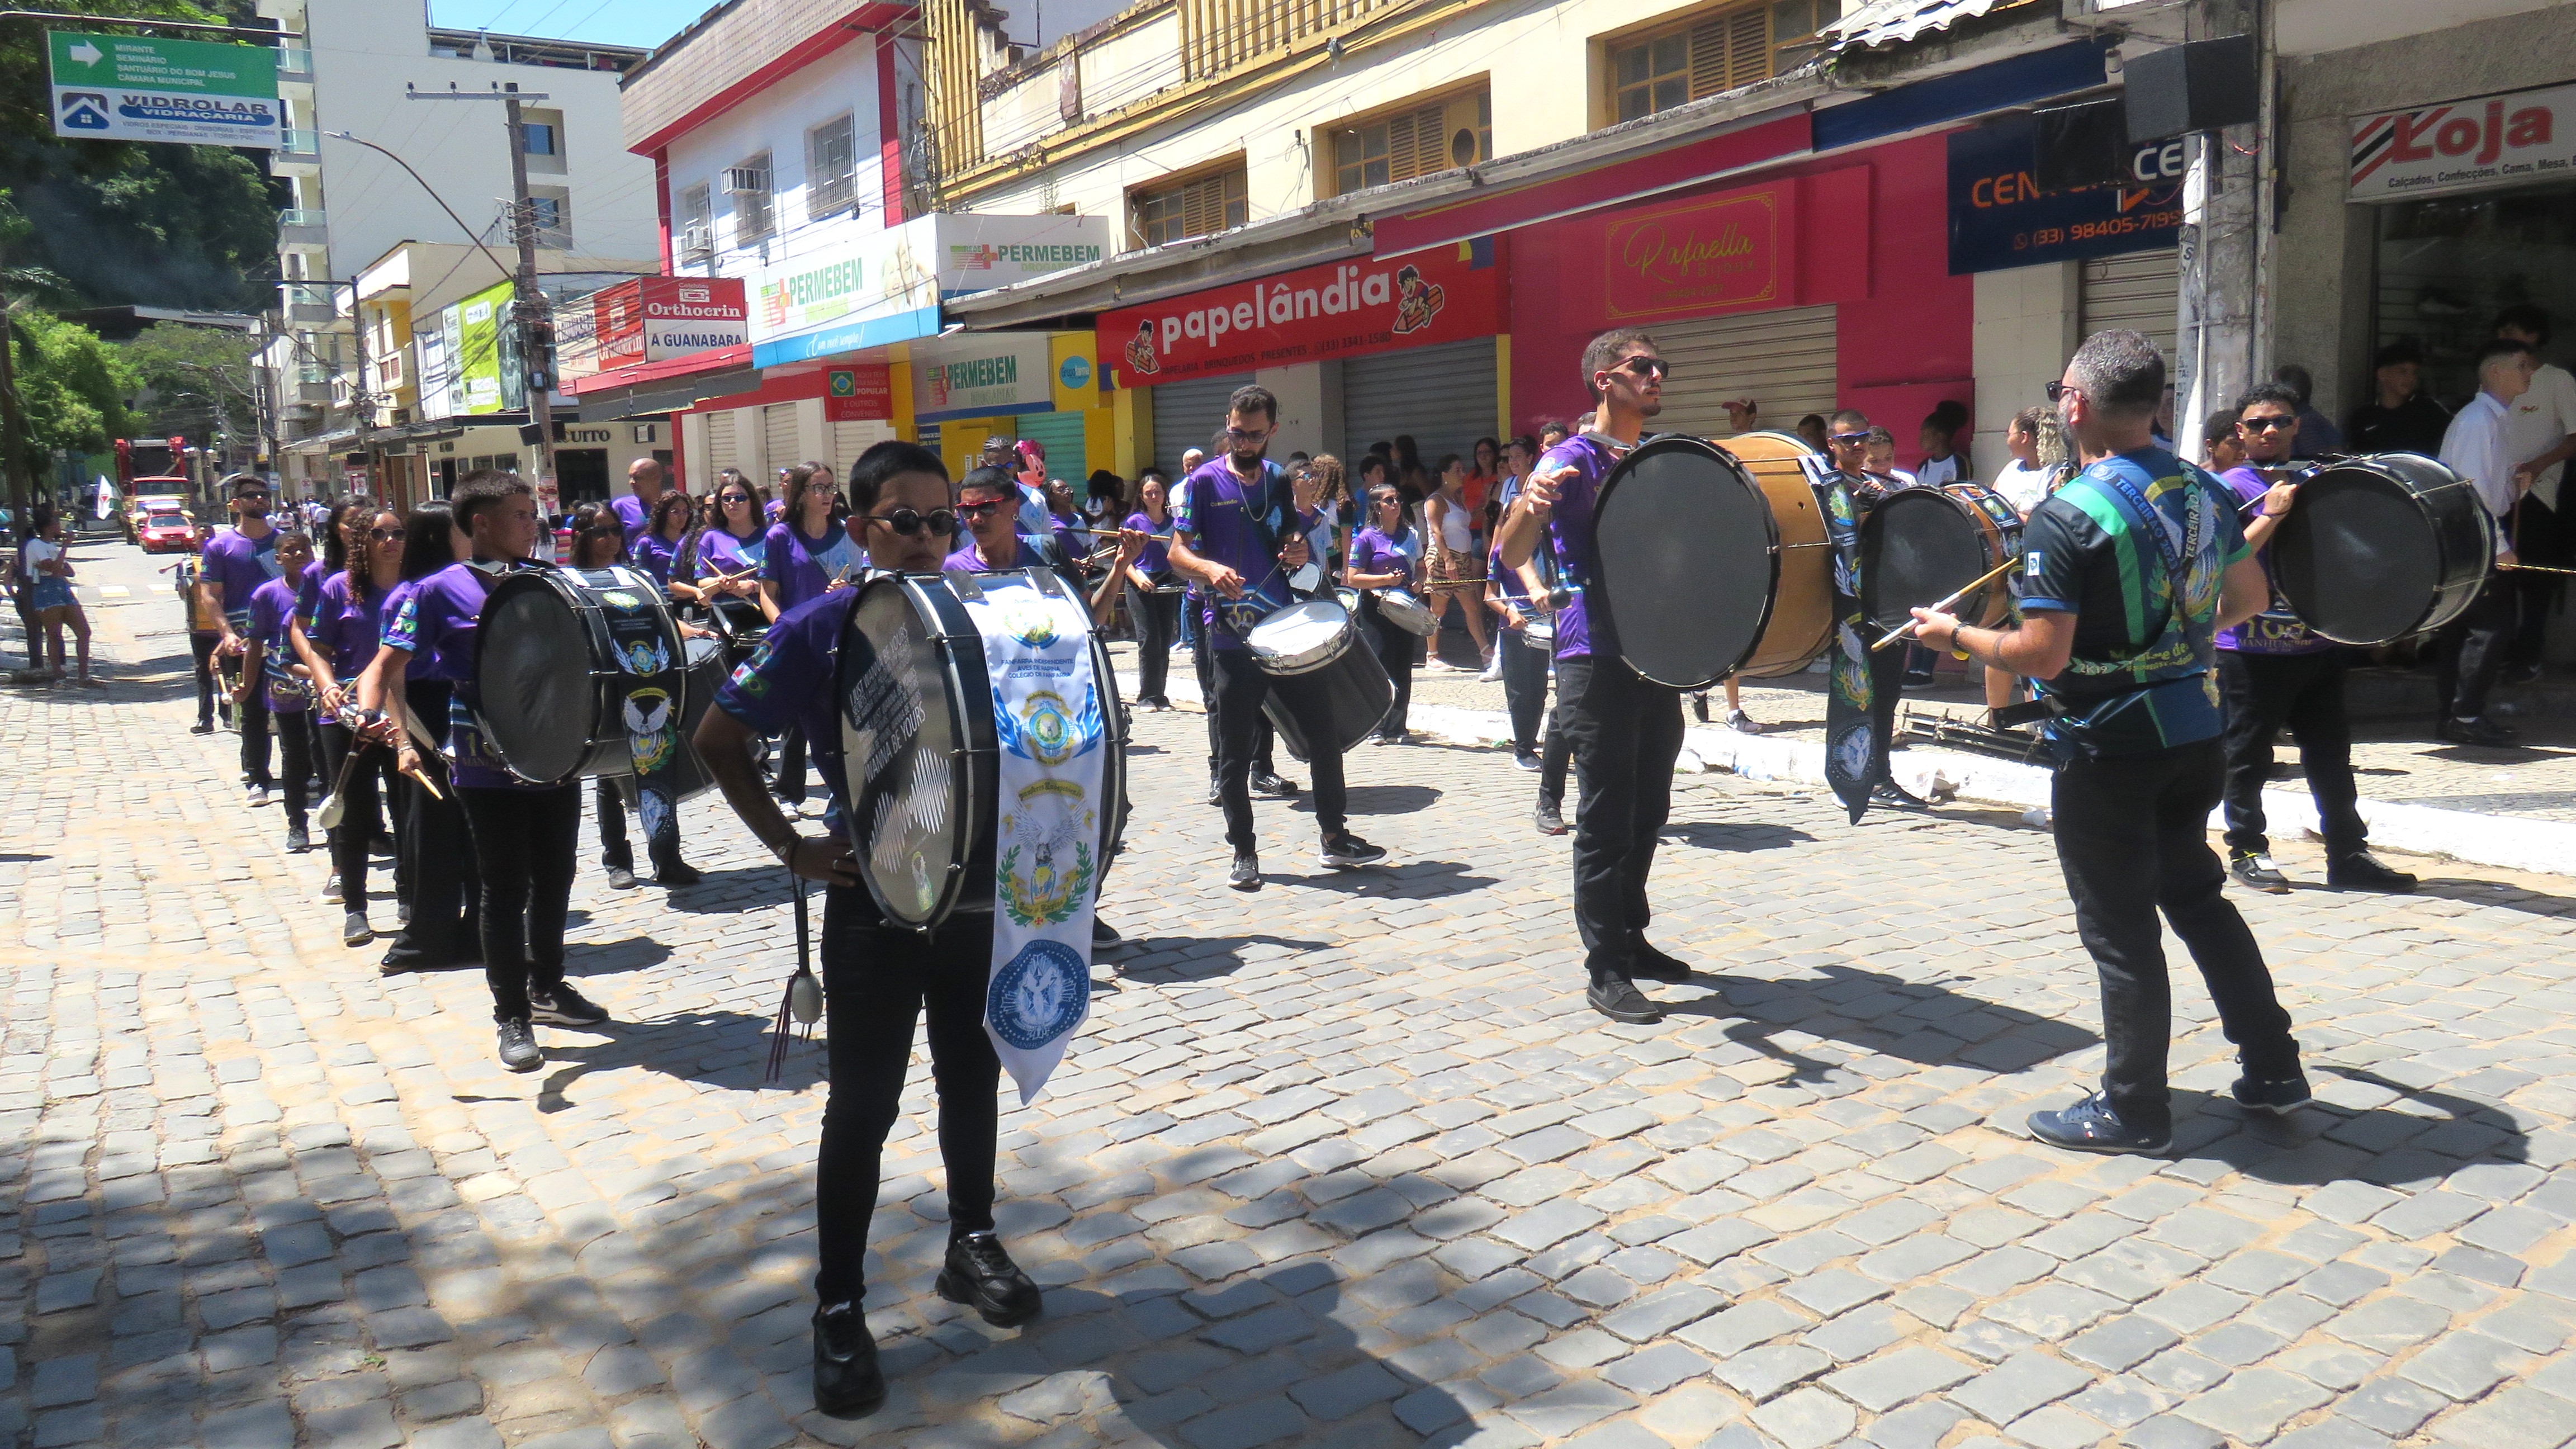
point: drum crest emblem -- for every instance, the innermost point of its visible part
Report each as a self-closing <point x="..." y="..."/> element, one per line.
<point x="621" y="598"/>
<point x="645" y="656"/>
<point x="1044" y="728"/>
<point x="1030" y="622"/>
<point x="649" y="733"/>
<point x="1039" y="996"/>
<point x="1046" y="869"/>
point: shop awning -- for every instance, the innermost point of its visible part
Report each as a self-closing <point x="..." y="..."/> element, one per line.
<point x="672" y="385"/>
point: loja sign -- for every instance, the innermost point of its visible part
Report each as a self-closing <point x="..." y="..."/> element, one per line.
<point x="1713" y="254"/>
<point x="650" y="319"/>
<point x="1342" y="309"/>
<point x="2471" y="145"/>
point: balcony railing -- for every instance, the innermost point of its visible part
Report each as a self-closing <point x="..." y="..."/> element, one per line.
<point x="300" y="145"/>
<point x="302" y="216"/>
<point x="1218" y="35"/>
<point x="294" y="63"/>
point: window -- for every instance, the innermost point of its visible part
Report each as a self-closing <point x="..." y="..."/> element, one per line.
<point x="749" y="185"/>
<point x="1418" y="141"/>
<point x="1199" y="207"/>
<point x="541" y="139"/>
<point x="1717" y="52"/>
<point x="831" y="161"/>
<point x="696" y="222"/>
<point x="550" y="211"/>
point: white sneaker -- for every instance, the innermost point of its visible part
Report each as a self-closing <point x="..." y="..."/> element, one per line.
<point x="2038" y="818"/>
<point x="255" y="796"/>
<point x="1493" y="670"/>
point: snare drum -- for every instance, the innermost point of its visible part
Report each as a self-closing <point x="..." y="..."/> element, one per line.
<point x="739" y="623"/>
<point x="921" y="744"/>
<point x="560" y="653"/>
<point x="1317" y="645"/>
<point x="1405" y="611"/>
<point x="1921" y="545"/>
<point x="2383" y="546"/>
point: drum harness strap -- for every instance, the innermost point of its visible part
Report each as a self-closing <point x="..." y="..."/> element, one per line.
<point x="2115" y="475"/>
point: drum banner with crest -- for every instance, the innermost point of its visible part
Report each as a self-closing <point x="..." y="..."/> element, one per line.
<point x="640" y="632"/>
<point x="1855" y="724"/>
<point x="1047" y="723"/>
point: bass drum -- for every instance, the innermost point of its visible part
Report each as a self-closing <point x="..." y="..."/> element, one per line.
<point x="2380" y="547"/>
<point x="920" y="750"/>
<point x="559" y="652"/>
<point x="1921" y="545"/>
<point x="1711" y="559"/>
<point x="1320" y="643"/>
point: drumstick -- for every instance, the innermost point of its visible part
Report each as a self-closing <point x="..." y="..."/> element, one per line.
<point x="1907" y="630"/>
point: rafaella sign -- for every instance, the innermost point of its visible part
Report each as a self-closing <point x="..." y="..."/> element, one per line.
<point x="2471" y="145"/>
<point x="1340" y="309"/>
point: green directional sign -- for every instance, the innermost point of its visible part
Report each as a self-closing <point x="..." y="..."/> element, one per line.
<point x="138" y="88"/>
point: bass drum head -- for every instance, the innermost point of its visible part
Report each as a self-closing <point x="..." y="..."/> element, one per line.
<point x="533" y="669"/>
<point x="2380" y="548"/>
<point x="1686" y="562"/>
<point x="1917" y="547"/>
<point x="902" y="747"/>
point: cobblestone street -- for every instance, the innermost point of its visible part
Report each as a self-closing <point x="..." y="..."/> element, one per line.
<point x="1347" y="1162"/>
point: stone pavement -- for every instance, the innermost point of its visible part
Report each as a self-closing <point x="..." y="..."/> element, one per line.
<point x="1346" y="1162"/>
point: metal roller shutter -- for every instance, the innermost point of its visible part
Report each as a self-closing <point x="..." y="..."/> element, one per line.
<point x="1189" y="414"/>
<point x="777" y="439"/>
<point x="1442" y="396"/>
<point x="849" y="440"/>
<point x="2139" y="290"/>
<point x="1061" y="435"/>
<point x="1782" y="360"/>
<point x="723" y="448"/>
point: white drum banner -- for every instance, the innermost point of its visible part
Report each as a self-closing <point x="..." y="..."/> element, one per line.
<point x="1047" y="722"/>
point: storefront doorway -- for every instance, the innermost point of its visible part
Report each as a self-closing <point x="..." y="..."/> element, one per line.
<point x="2448" y="264"/>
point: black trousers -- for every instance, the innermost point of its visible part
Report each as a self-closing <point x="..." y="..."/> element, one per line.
<point x="877" y="982"/>
<point x="445" y="893"/>
<point x="295" y="759"/>
<point x="1264" y="738"/>
<point x="373" y="781"/>
<point x="2474" y="648"/>
<point x="525" y="841"/>
<point x="2132" y="839"/>
<point x="252" y="714"/>
<point x="1242" y="733"/>
<point x="1525" y="691"/>
<point x="201" y="645"/>
<point x="2305" y="692"/>
<point x="1625" y="734"/>
<point x="662" y="846"/>
<point x="2540" y="537"/>
<point x="1158" y="621"/>
<point x="1394" y="650"/>
<point x="788" y="782"/>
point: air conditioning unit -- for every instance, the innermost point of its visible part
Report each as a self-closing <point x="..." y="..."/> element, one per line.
<point x="740" y="179"/>
<point x="697" y="240"/>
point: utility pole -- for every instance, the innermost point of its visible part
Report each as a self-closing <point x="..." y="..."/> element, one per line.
<point x="362" y="402"/>
<point x="528" y="305"/>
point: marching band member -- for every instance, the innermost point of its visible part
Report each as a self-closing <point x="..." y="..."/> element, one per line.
<point x="267" y="656"/>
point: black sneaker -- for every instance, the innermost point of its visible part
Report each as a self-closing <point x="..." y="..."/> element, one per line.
<point x="1216" y="793"/>
<point x="1245" y="873"/>
<point x="298" y="839"/>
<point x="563" y="1005"/>
<point x="676" y="873"/>
<point x="1699" y="705"/>
<point x="2480" y="731"/>
<point x="1105" y="940"/>
<point x="1529" y="762"/>
<point x="847" y="1382"/>
<point x="2257" y="871"/>
<point x="2277" y="1095"/>
<point x="2361" y="871"/>
<point x="202" y="727"/>
<point x="2091" y="1126"/>
<point x="1653" y="964"/>
<point x="382" y="846"/>
<point x="1272" y="783"/>
<point x="1618" y="998"/>
<point x="621" y="878"/>
<point x="1548" y="821"/>
<point x="331" y="893"/>
<point x="983" y="1277"/>
<point x="1889" y="795"/>
<point x="1346" y="851"/>
<point x="519" y="1045"/>
<point x="354" y="930"/>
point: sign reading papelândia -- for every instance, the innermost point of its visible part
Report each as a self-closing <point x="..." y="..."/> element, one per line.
<point x="142" y="88"/>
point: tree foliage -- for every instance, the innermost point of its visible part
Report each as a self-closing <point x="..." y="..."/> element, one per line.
<point x="189" y="376"/>
<point x="72" y="385"/>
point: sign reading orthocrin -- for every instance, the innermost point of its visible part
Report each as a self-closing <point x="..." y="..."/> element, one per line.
<point x="2471" y="145"/>
<point x="1343" y="309"/>
<point x="650" y="319"/>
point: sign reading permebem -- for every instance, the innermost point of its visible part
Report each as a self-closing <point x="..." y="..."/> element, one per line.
<point x="1341" y="309"/>
<point x="2471" y="145"/>
<point x="135" y="88"/>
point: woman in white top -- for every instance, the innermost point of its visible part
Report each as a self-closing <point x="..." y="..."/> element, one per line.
<point x="2026" y="482"/>
<point x="47" y="578"/>
<point x="1450" y="530"/>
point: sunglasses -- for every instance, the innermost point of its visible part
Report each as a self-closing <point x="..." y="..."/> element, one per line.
<point x="1853" y="439"/>
<point x="1240" y="436"/>
<point x="732" y="498"/>
<point x="1642" y="367"/>
<point x="384" y="535"/>
<point x="2058" y="390"/>
<point x="2264" y="425"/>
<point x="978" y="510"/>
<point x="909" y="521"/>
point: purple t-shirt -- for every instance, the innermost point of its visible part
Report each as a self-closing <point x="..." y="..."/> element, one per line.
<point x="437" y="625"/>
<point x="968" y="559"/>
<point x="346" y="630"/>
<point x="240" y="565"/>
<point x="634" y="514"/>
<point x="1214" y="515"/>
<point x="720" y="552"/>
<point x="1569" y="531"/>
<point x="1372" y="552"/>
<point x="308" y="592"/>
<point x="788" y="682"/>
<point x="272" y="607"/>
<point x="2276" y="630"/>
<point x="802" y="567"/>
<point x="655" y="554"/>
<point x="1158" y="553"/>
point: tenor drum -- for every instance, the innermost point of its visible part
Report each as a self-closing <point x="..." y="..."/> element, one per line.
<point x="563" y="653"/>
<point x="1317" y="642"/>
<point x="1405" y="610"/>
<point x="2380" y="547"/>
<point x="1712" y="559"/>
<point x="1921" y="545"/>
<point x="923" y="732"/>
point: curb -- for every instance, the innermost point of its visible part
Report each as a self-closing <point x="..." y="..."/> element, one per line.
<point x="2508" y="842"/>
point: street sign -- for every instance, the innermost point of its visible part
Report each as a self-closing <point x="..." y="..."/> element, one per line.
<point x="136" y="88"/>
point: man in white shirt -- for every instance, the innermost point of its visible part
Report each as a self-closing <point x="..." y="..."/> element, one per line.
<point x="2541" y="435"/>
<point x="2478" y="447"/>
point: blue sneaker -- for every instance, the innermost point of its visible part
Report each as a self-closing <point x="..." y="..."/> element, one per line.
<point x="2091" y="1126"/>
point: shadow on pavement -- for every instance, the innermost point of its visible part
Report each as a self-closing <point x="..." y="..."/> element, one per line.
<point x="717" y="1048"/>
<point x="1751" y="835"/>
<point x="1174" y="959"/>
<point x="735" y="889"/>
<point x="2410" y="1144"/>
<point x="1917" y="1021"/>
<point x="1413" y="880"/>
<point x="1376" y="800"/>
<point x="2494" y="893"/>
